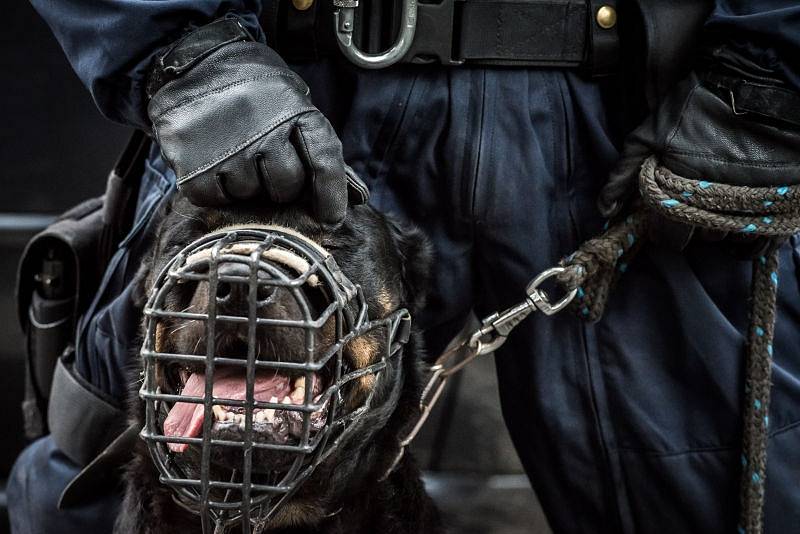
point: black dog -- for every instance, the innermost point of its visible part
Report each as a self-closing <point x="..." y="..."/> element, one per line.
<point x="346" y="493"/>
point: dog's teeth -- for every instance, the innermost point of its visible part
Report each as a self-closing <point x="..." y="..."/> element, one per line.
<point x="298" y="394"/>
<point x="219" y="412"/>
<point x="269" y="414"/>
<point x="286" y="400"/>
<point x="300" y="382"/>
<point x="260" y="416"/>
<point x="273" y="399"/>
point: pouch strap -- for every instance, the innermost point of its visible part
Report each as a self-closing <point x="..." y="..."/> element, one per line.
<point x="122" y="190"/>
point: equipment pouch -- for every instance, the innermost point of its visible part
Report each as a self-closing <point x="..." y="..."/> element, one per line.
<point x="57" y="273"/>
<point x="60" y="271"/>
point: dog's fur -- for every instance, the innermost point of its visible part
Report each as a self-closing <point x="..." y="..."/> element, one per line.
<point x="390" y="262"/>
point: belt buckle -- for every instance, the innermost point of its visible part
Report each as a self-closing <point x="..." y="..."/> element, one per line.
<point x="436" y="37"/>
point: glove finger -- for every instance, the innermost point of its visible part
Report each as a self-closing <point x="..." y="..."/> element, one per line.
<point x="238" y="179"/>
<point x="357" y="190"/>
<point x="621" y="185"/>
<point x="205" y="190"/>
<point x="280" y="171"/>
<point x="623" y="180"/>
<point x="321" y="151"/>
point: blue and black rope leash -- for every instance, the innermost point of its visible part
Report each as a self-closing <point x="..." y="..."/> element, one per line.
<point x="771" y="213"/>
<point x="768" y="214"/>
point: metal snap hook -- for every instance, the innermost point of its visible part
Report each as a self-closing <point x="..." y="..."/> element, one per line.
<point x="539" y="298"/>
<point x="344" y="20"/>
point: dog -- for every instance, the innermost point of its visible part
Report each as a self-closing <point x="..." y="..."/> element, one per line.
<point x="347" y="492"/>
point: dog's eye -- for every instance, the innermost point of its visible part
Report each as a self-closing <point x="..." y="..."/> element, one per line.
<point x="329" y="244"/>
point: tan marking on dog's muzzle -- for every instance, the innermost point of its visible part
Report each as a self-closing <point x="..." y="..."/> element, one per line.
<point x="159" y="342"/>
<point x="362" y="350"/>
<point x="386" y="301"/>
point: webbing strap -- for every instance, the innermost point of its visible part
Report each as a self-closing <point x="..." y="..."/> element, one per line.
<point x="82" y="423"/>
<point x="538" y="33"/>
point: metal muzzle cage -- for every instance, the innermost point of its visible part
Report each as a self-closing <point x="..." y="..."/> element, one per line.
<point x="274" y="258"/>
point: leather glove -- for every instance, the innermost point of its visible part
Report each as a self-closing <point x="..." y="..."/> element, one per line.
<point x="732" y="122"/>
<point x="236" y="124"/>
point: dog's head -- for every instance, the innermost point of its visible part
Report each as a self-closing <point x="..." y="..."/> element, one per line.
<point x="388" y="261"/>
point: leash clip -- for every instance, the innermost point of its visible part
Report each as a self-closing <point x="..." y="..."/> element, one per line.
<point x="465" y="348"/>
<point x="496" y="327"/>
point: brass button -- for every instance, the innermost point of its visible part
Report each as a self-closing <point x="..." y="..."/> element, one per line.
<point x="606" y="17"/>
<point x="302" y="5"/>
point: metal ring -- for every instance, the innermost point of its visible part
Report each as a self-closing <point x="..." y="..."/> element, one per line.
<point x="539" y="298"/>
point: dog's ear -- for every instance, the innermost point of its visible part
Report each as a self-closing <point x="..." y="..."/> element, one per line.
<point x="144" y="278"/>
<point x="416" y="258"/>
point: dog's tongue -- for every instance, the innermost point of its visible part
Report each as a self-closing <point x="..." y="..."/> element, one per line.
<point x="185" y="419"/>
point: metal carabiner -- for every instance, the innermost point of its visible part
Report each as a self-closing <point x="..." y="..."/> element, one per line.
<point x="344" y="19"/>
<point x="496" y="327"/>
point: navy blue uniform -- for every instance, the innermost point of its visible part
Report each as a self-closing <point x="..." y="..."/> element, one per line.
<point x="628" y="425"/>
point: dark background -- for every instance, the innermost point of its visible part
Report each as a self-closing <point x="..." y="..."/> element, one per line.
<point x="56" y="150"/>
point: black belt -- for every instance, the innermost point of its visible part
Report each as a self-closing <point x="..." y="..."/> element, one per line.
<point x="525" y="33"/>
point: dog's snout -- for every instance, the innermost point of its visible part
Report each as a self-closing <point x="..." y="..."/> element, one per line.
<point x="233" y="295"/>
<point x="233" y="268"/>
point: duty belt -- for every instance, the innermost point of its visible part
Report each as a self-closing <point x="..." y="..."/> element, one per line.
<point x="523" y="33"/>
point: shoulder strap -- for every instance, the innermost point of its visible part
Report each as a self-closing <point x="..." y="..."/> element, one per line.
<point x="122" y="190"/>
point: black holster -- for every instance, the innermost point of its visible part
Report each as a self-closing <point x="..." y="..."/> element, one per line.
<point x="59" y="272"/>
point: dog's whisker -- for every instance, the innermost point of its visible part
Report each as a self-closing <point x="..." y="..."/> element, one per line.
<point x="179" y="328"/>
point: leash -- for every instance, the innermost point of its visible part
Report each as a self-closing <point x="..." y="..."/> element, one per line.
<point x="468" y="345"/>
<point x="588" y="274"/>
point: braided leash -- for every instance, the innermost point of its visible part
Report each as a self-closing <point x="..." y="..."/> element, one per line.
<point x="587" y="275"/>
<point x="772" y="212"/>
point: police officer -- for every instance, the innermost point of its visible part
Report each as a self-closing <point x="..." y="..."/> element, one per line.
<point x="631" y="424"/>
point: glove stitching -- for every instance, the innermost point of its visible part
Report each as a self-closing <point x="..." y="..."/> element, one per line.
<point x="221" y="89"/>
<point x="280" y="119"/>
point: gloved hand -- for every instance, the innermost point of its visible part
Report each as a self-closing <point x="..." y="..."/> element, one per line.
<point x="731" y="122"/>
<point x="236" y="124"/>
